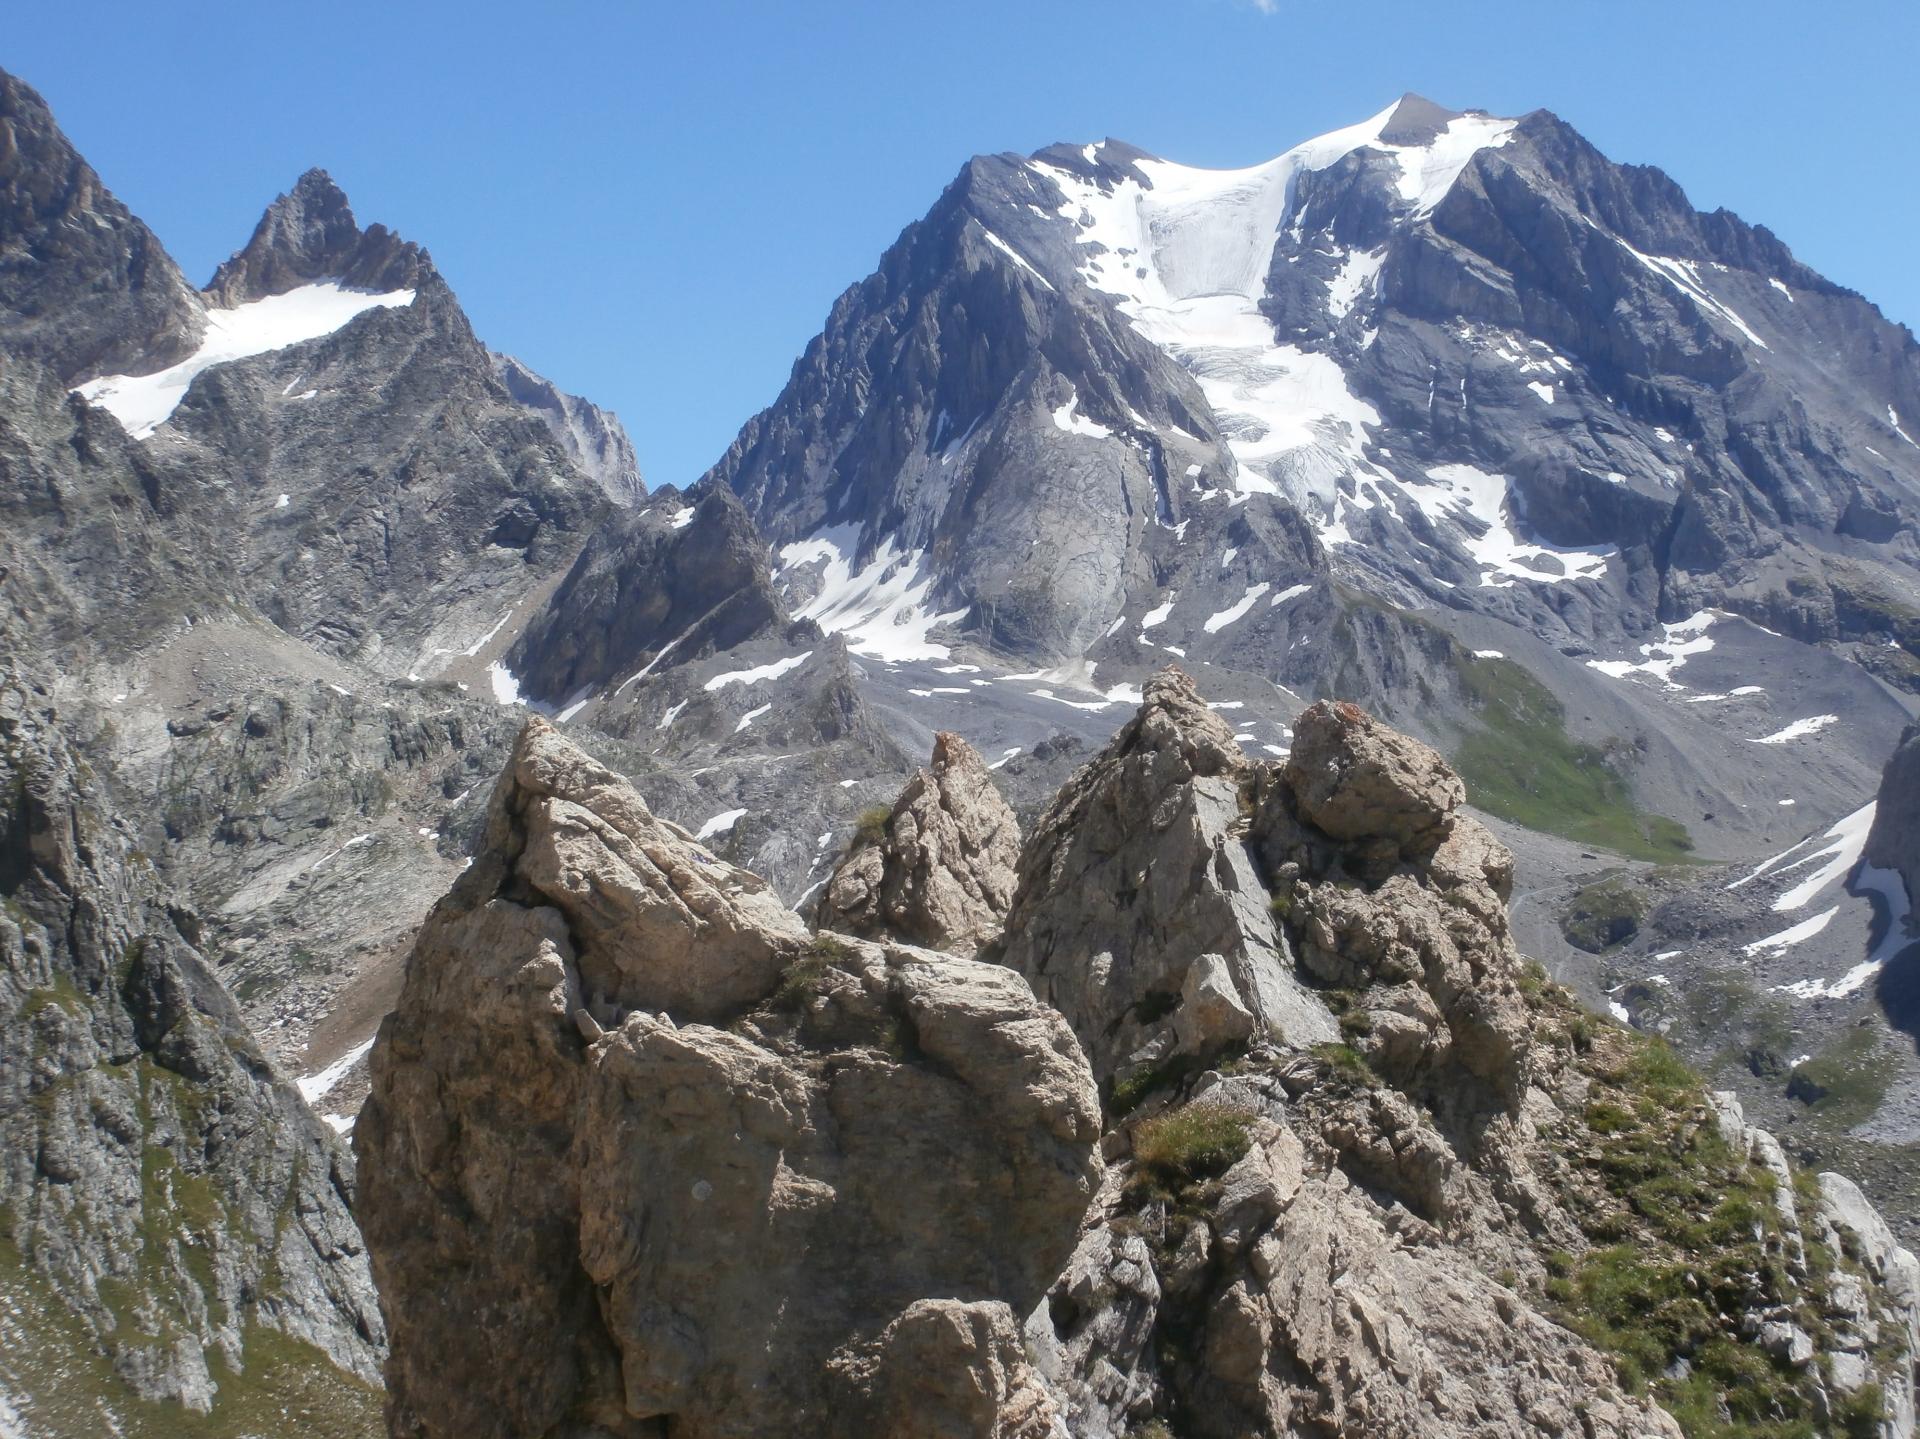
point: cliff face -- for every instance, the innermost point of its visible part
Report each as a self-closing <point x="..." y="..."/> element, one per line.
<point x="165" y="1199"/>
<point x="645" y="1157"/>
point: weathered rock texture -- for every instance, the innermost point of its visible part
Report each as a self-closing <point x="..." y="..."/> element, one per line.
<point x="642" y="1157"/>
<point x="309" y="234"/>
<point x="940" y="871"/>
<point x="593" y="438"/>
<point x="84" y="285"/>
<point x="1445" y="1223"/>
<point x="160" y="1187"/>
<point x="1140" y="911"/>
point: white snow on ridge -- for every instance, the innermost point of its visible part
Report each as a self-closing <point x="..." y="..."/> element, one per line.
<point x="770" y="671"/>
<point x="1479" y="508"/>
<point x="1017" y="258"/>
<point x="143" y="403"/>
<point x="1187" y="254"/>
<point x="721" y="823"/>
<point x="1238" y="610"/>
<point x="1684" y="275"/>
<point x="1799" y="729"/>
<point x="881" y="608"/>
<point x="314" y="1087"/>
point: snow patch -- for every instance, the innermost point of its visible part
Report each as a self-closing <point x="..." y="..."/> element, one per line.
<point x="314" y="1087"/>
<point x="1017" y="258"/>
<point x="881" y="608"/>
<point x="506" y="688"/>
<point x="750" y="716"/>
<point x="721" y="823"/>
<point x="1066" y="418"/>
<point x="1216" y="623"/>
<point x="143" y="403"/>
<point x="1479" y="508"/>
<point x="1660" y="658"/>
<point x="1787" y="938"/>
<point x="1849" y="838"/>
<point x="770" y="671"/>
<point x="1799" y="729"/>
<point x="1684" y="275"/>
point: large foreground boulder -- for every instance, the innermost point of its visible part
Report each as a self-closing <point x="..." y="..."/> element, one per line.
<point x="642" y="1156"/>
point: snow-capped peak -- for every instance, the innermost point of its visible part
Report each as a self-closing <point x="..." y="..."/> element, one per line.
<point x="1186" y="254"/>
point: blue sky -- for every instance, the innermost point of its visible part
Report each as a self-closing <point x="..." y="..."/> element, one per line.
<point x="655" y="205"/>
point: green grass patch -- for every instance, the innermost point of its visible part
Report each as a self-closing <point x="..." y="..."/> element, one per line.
<point x="801" y="981"/>
<point x="1685" y="1231"/>
<point x="1850" y="1076"/>
<point x="1173" y="1151"/>
<point x="1523" y="766"/>
<point x="871" y="825"/>
<point x="1603" y="915"/>
<point x="1345" y="1064"/>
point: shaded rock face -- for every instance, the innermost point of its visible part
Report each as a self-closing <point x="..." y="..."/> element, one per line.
<point x="1894" y="842"/>
<point x="641" y="1157"/>
<point x="593" y="438"/>
<point x="1140" y="911"/>
<point x="84" y="286"/>
<point x="157" y="1179"/>
<point x="940" y="872"/>
<point x="656" y="588"/>
<point x="310" y="234"/>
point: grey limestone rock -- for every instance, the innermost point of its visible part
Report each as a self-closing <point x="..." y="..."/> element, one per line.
<point x="940" y="870"/>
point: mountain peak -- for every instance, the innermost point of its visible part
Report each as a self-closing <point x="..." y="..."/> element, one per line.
<point x="307" y="234"/>
<point x="1416" y="120"/>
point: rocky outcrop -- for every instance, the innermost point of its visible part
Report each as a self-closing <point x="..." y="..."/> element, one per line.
<point x="84" y="285"/>
<point x="1396" y="898"/>
<point x="939" y="870"/>
<point x="593" y="438"/>
<point x="165" y="1199"/>
<point x="1439" y="1224"/>
<point x="309" y="234"/>
<point x="656" y="588"/>
<point x="1140" y="912"/>
<point x="640" y="1149"/>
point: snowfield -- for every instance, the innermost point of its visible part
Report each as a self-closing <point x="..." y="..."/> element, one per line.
<point x="143" y="403"/>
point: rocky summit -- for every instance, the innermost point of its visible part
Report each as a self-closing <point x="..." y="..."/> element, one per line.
<point x="644" y="1155"/>
<point x="1270" y="802"/>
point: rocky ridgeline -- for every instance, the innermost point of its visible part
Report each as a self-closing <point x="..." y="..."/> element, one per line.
<point x="639" y="1146"/>
<point x="938" y="868"/>
<point x="166" y="1201"/>
<point x="643" y="1155"/>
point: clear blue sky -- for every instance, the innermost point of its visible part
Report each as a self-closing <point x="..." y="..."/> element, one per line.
<point x="654" y="205"/>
